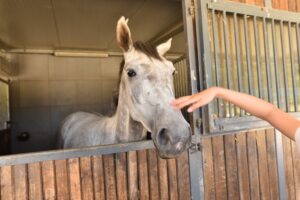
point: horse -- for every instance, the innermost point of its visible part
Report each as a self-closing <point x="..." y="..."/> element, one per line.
<point x="144" y="104"/>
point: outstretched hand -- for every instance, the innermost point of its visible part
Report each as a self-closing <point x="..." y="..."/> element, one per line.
<point x="196" y="100"/>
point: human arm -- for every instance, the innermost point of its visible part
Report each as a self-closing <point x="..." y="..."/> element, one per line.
<point x="282" y="121"/>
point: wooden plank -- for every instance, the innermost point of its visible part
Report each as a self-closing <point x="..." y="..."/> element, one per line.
<point x="183" y="176"/>
<point x="6" y="183"/>
<point x="121" y="172"/>
<point x="292" y="5"/>
<point x="132" y="175"/>
<point x="253" y="165"/>
<point x="296" y="167"/>
<point x="48" y="178"/>
<point x="173" y="187"/>
<point x="86" y="177"/>
<point x="243" y="172"/>
<point x="208" y="169"/>
<point x="143" y="175"/>
<point x="288" y="164"/>
<point x="298" y="5"/>
<point x="74" y="176"/>
<point x="109" y="175"/>
<point x="62" y="179"/>
<point x="163" y="178"/>
<point x="275" y="4"/>
<point x="231" y="167"/>
<point x="283" y="5"/>
<point x="35" y="181"/>
<point x="153" y="174"/>
<point x="219" y="167"/>
<point x="272" y="163"/>
<point x="20" y="182"/>
<point x="98" y="177"/>
<point x="263" y="165"/>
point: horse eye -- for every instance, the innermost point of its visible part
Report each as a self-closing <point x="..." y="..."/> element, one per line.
<point x="131" y="73"/>
<point x="174" y="72"/>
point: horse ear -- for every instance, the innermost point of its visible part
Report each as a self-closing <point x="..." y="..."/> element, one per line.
<point x="164" y="47"/>
<point x="123" y="34"/>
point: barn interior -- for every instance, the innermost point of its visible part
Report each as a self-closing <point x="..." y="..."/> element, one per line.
<point x="58" y="57"/>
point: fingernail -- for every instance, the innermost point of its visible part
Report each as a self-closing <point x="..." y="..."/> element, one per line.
<point x="189" y="110"/>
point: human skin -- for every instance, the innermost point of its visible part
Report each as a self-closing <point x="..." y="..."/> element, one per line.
<point x="279" y="119"/>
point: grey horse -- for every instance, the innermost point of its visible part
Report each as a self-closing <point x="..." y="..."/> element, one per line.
<point x="145" y="94"/>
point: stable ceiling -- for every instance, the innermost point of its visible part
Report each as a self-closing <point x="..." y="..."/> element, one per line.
<point x="84" y="24"/>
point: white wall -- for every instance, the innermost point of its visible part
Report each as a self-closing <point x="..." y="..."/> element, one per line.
<point x="46" y="89"/>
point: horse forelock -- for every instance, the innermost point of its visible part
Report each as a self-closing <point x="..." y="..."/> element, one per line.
<point x="145" y="48"/>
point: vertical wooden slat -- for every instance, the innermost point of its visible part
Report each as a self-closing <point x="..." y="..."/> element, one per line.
<point x="35" y="181"/>
<point x="173" y="187"/>
<point x="263" y="164"/>
<point x="109" y="175"/>
<point x="121" y="171"/>
<point x="183" y="176"/>
<point x="132" y="175"/>
<point x="6" y="183"/>
<point x="292" y="5"/>
<point x="289" y="176"/>
<point x="98" y="177"/>
<point x="272" y="163"/>
<point x="283" y="5"/>
<point x="231" y="167"/>
<point x="296" y="168"/>
<point x="74" y="175"/>
<point x="48" y="180"/>
<point x="243" y="166"/>
<point x="219" y="167"/>
<point x="163" y="178"/>
<point x="62" y="183"/>
<point x="153" y="174"/>
<point x="208" y="169"/>
<point x="20" y="182"/>
<point x="143" y="175"/>
<point x="253" y="165"/>
<point x="86" y="177"/>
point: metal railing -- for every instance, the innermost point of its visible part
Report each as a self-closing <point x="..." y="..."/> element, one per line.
<point x="253" y="50"/>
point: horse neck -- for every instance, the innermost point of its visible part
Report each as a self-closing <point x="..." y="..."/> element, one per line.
<point x="127" y="129"/>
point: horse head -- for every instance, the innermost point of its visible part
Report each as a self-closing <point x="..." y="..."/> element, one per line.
<point x="147" y="86"/>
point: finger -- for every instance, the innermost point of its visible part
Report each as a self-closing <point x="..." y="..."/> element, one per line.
<point x="180" y="100"/>
<point x="195" y="106"/>
<point x="188" y="102"/>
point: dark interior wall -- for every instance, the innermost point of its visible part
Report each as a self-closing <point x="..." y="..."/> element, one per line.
<point x="46" y="89"/>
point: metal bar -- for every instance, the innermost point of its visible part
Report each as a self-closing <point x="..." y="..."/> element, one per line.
<point x="238" y="59"/>
<point x="195" y="161"/>
<point x="293" y="69"/>
<point x="268" y="4"/>
<point x="286" y="87"/>
<point x="74" y="153"/>
<point x="298" y="47"/>
<point x="215" y="41"/>
<point x="267" y="60"/>
<point x="204" y="59"/>
<point x="245" y="123"/>
<point x="227" y="58"/>
<point x="260" y="93"/>
<point x="280" y="165"/>
<point x="248" y="56"/>
<point x="279" y="103"/>
<point x="253" y="10"/>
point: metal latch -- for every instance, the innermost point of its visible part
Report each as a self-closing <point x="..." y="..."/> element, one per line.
<point x="195" y="147"/>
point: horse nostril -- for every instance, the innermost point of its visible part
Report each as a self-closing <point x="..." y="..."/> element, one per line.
<point x="163" y="137"/>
